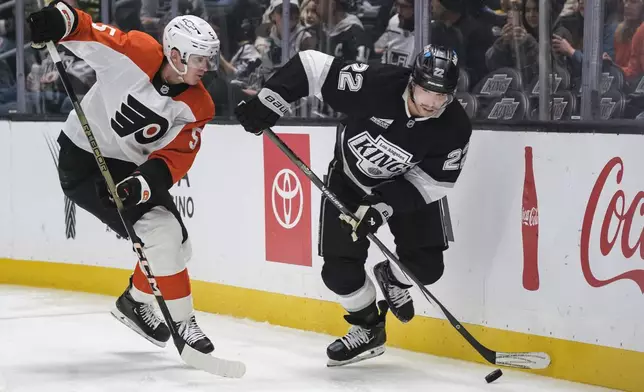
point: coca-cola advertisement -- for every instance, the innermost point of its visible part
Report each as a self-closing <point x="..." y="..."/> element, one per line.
<point x="613" y="225"/>
<point x="530" y="226"/>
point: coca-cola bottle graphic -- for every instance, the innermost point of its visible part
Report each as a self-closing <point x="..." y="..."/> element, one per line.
<point x="530" y="226"/>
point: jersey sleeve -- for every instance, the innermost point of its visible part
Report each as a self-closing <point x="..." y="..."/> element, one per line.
<point x="352" y="88"/>
<point x="429" y="181"/>
<point x="135" y="45"/>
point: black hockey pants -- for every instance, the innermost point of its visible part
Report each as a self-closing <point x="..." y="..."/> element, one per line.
<point x="419" y="238"/>
<point x="80" y="178"/>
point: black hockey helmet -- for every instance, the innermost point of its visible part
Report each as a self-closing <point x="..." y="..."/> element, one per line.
<point x="436" y="69"/>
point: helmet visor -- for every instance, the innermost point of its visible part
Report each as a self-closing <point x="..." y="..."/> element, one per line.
<point x="204" y="63"/>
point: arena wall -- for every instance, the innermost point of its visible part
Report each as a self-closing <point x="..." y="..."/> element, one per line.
<point x="549" y="261"/>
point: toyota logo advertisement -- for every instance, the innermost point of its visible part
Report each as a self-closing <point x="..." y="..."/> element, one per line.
<point x="287" y="198"/>
<point x="287" y="203"/>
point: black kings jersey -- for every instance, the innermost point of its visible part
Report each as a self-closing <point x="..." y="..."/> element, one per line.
<point x="349" y="40"/>
<point x="409" y="161"/>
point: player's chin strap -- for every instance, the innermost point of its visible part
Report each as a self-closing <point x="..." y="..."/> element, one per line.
<point x="192" y="357"/>
<point x="523" y="360"/>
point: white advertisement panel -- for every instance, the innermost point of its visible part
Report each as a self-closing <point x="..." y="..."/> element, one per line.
<point x="548" y="227"/>
<point x="46" y="225"/>
<point x="5" y="190"/>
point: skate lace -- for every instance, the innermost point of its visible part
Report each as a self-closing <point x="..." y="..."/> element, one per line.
<point x="355" y="337"/>
<point x="398" y="295"/>
<point x="149" y="316"/>
<point x="190" y="331"/>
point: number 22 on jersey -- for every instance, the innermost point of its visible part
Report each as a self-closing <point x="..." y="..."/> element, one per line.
<point x="350" y="80"/>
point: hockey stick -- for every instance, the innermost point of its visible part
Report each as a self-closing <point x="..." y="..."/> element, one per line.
<point x="192" y="357"/>
<point x="522" y="360"/>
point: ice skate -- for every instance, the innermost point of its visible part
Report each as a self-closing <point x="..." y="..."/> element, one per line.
<point x="365" y="339"/>
<point x="395" y="292"/>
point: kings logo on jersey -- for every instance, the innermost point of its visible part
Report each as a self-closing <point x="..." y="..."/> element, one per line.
<point x="379" y="158"/>
<point x="136" y="118"/>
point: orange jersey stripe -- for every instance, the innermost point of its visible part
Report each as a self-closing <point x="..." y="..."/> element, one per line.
<point x="180" y="154"/>
<point x="172" y="287"/>
<point x="140" y="47"/>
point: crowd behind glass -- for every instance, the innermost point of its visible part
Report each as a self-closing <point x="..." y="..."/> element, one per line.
<point x="497" y="42"/>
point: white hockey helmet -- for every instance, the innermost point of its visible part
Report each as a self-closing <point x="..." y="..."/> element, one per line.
<point x="195" y="40"/>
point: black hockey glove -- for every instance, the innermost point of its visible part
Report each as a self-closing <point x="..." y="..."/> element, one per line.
<point x="371" y="214"/>
<point x="132" y="190"/>
<point x="261" y="112"/>
<point x="52" y="23"/>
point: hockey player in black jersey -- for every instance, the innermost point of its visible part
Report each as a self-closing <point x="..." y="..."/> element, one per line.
<point x="400" y="149"/>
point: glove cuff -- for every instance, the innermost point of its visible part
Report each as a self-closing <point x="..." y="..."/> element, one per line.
<point x="384" y="209"/>
<point x="69" y="15"/>
<point x="146" y="192"/>
<point x="273" y="101"/>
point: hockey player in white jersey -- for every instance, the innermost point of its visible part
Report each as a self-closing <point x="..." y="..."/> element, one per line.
<point x="147" y="110"/>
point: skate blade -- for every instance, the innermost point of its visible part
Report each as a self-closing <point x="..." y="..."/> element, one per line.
<point x="374" y="352"/>
<point x="123" y="319"/>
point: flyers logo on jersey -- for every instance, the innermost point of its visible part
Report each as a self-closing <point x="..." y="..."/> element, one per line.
<point x="379" y="158"/>
<point x="136" y="118"/>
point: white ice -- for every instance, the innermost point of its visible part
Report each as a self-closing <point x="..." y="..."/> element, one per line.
<point x="54" y="341"/>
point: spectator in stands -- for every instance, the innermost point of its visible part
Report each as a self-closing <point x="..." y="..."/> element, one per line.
<point x="8" y="43"/>
<point x="221" y="89"/>
<point x="347" y="38"/>
<point x="569" y="7"/>
<point x="45" y="91"/>
<point x="127" y="15"/>
<point x="635" y="67"/>
<point x="244" y="65"/>
<point x="476" y="37"/>
<point x="155" y="14"/>
<point x="310" y="18"/>
<point x="518" y="45"/>
<point x="396" y="44"/>
<point x="269" y="41"/>
<point x="625" y="33"/>
<point x="490" y="13"/>
<point x="568" y="36"/>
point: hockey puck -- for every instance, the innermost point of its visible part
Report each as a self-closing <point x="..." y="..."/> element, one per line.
<point x="493" y="376"/>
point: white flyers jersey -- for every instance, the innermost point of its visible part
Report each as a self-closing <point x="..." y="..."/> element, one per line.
<point x="397" y="44"/>
<point x="134" y="115"/>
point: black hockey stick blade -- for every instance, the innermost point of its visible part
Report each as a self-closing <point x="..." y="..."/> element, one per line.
<point x="521" y="360"/>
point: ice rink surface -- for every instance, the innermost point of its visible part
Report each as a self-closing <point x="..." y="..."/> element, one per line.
<point x="54" y="341"/>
